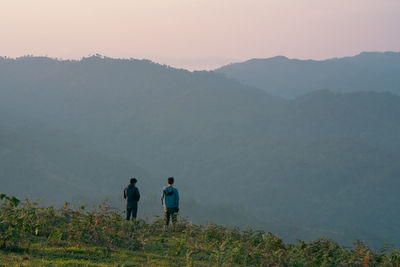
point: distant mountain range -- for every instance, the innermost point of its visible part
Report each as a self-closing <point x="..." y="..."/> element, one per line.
<point x="324" y="163"/>
<point x="281" y="76"/>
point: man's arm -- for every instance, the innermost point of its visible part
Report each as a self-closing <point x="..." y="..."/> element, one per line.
<point x="162" y="197"/>
<point x="125" y="193"/>
<point x="137" y="194"/>
<point x="177" y="197"/>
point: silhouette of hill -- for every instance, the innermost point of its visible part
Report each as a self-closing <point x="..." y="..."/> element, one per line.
<point x="368" y="71"/>
<point x="321" y="164"/>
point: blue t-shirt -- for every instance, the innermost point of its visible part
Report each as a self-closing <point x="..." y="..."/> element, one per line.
<point x="170" y="197"/>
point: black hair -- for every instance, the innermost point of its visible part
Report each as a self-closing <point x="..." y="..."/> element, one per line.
<point x="171" y="180"/>
<point x="133" y="180"/>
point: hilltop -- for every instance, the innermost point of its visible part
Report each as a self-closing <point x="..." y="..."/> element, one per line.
<point x="44" y="236"/>
<point x="289" y="78"/>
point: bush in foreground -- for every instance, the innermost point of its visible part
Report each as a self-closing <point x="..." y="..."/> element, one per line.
<point x="100" y="236"/>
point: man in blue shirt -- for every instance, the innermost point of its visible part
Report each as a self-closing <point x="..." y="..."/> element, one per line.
<point x="132" y="196"/>
<point x="170" y="201"/>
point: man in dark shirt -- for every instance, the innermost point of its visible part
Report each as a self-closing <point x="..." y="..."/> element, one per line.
<point x="132" y="196"/>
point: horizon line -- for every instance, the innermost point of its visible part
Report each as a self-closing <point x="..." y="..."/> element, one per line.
<point x="158" y="62"/>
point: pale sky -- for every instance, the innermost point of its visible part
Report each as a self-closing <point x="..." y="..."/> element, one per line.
<point x="198" y="34"/>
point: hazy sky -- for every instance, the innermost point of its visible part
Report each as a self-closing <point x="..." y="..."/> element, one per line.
<point x="198" y="34"/>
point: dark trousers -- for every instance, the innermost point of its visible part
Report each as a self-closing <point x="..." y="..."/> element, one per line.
<point x="131" y="211"/>
<point x="171" y="214"/>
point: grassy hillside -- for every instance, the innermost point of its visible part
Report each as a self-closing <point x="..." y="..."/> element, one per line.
<point x="43" y="236"/>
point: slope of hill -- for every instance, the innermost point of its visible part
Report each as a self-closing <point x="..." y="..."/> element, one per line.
<point x="368" y="71"/>
<point x="324" y="163"/>
<point x="45" y="236"/>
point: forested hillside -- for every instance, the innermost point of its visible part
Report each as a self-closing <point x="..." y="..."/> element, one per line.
<point x="322" y="164"/>
<point x="368" y="71"/>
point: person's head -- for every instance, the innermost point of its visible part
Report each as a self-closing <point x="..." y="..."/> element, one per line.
<point x="133" y="180"/>
<point x="171" y="180"/>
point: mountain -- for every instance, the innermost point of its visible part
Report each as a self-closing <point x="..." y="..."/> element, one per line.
<point x="281" y="76"/>
<point x="54" y="167"/>
<point x="324" y="163"/>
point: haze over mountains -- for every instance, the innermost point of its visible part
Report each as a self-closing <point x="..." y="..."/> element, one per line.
<point x="368" y="71"/>
<point x="324" y="163"/>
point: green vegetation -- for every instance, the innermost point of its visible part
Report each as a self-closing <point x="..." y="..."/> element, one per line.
<point x="31" y="235"/>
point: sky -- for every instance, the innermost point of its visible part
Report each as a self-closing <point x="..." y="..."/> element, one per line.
<point x="198" y="34"/>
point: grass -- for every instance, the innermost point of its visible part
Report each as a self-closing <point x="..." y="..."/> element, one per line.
<point x="44" y="236"/>
<point x="87" y="256"/>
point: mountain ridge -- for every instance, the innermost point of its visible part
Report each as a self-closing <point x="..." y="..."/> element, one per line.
<point x="289" y="78"/>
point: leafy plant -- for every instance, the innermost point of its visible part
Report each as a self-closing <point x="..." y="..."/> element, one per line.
<point x="68" y="235"/>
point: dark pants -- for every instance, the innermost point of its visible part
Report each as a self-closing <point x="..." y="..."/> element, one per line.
<point x="171" y="213"/>
<point x="131" y="211"/>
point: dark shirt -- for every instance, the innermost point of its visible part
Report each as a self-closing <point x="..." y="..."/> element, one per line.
<point x="132" y="196"/>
